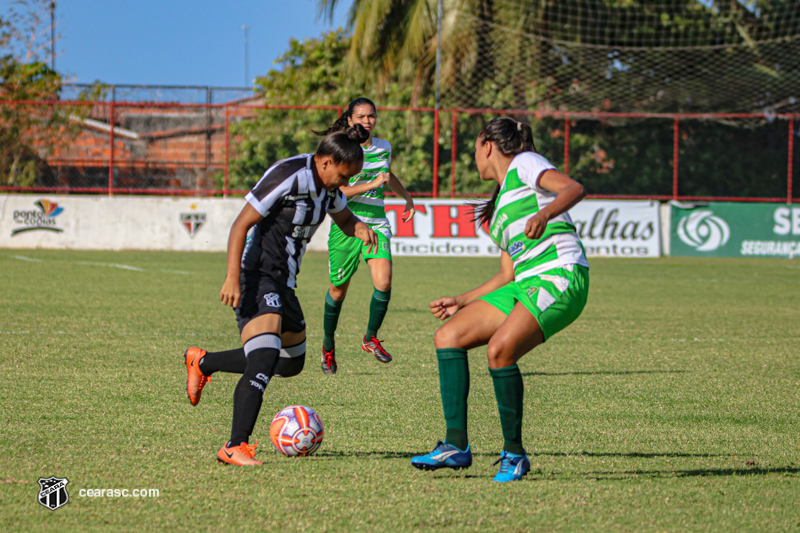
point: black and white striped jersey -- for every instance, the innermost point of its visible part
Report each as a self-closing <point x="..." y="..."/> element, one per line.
<point x="292" y="207"/>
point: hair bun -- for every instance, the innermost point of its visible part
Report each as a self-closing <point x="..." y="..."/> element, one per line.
<point x="357" y="133"/>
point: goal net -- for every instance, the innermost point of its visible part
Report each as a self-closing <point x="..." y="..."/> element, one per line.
<point x="703" y="56"/>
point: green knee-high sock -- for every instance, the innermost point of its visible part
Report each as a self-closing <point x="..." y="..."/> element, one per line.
<point x="377" y="310"/>
<point x="454" y="388"/>
<point x="330" y="320"/>
<point x="509" y="389"/>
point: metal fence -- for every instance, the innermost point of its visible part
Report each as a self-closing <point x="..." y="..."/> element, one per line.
<point x="217" y="149"/>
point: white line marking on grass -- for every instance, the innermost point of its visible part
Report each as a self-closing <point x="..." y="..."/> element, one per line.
<point x="113" y="265"/>
<point x="29" y="259"/>
<point x="118" y="334"/>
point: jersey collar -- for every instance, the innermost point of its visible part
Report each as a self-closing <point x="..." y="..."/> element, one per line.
<point x="312" y="184"/>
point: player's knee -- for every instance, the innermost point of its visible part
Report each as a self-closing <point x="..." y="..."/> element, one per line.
<point x="288" y="368"/>
<point x="446" y="337"/>
<point x="292" y="360"/>
<point x="338" y="293"/>
<point x="500" y="353"/>
<point x="383" y="282"/>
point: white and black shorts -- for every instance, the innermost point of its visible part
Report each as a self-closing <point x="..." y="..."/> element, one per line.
<point x="262" y="295"/>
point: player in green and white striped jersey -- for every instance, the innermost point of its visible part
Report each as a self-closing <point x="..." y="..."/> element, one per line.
<point x="365" y="198"/>
<point x="541" y="288"/>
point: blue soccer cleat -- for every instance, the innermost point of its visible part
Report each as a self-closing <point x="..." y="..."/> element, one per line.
<point x="443" y="456"/>
<point x="512" y="467"/>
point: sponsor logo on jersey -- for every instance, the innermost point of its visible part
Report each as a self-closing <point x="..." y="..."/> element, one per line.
<point x="192" y="222"/>
<point x="42" y="219"/>
<point x="53" y="492"/>
<point x="704" y="231"/>
<point x="497" y="227"/>
<point x="515" y="248"/>
<point x="295" y="197"/>
<point x="272" y="299"/>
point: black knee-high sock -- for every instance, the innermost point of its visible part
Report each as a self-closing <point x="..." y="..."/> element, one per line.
<point x="262" y="354"/>
<point x="291" y="361"/>
<point x="233" y="361"/>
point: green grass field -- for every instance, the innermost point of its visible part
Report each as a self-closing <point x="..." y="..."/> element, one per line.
<point x="672" y="404"/>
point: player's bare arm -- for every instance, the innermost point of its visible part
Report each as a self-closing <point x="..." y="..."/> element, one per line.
<point x="398" y="188"/>
<point x="361" y="188"/>
<point x="231" y="291"/>
<point x="569" y="192"/>
<point x="352" y="226"/>
<point x="444" y="308"/>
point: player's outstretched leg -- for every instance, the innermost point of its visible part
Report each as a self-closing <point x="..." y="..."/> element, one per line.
<point x="512" y="467"/>
<point x="443" y="456"/>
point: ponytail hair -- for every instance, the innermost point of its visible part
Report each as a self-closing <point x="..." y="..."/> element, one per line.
<point x="341" y="124"/>
<point x="511" y="138"/>
<point x="344" y="146"/>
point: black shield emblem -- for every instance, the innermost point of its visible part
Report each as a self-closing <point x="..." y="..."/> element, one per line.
<point x="53" y="492"/>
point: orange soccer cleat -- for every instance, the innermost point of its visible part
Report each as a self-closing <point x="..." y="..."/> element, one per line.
<point x="241" y="455"/>
<point x="196" y="380"/>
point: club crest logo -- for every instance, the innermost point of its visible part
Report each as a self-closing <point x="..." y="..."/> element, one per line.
<point x="273" y="299"/>
<point x="192" y="222"/>
<point x="703" y="231"/>
<point x="42" y="219"/>
<point x="53" y="492"/>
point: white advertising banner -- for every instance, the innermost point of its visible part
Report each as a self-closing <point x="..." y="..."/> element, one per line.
<point x="611" y="228"/>
<point x="440" y="227"/>
<point x="116" y="223"/>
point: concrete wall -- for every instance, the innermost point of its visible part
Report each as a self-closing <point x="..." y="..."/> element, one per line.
<point x="442" y="227"/>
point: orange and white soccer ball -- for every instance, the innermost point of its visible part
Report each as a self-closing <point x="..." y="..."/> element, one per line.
<point x="296" y="431"/>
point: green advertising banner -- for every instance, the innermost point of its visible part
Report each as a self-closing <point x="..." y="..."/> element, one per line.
<point x="735" y="230"/>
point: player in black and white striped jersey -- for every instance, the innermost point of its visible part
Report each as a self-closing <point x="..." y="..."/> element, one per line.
<point x="286" y="206"/>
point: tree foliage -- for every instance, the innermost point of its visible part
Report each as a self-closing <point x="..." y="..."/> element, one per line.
<point x="315" y="72"/>
<point x="28" y="132"/>
<point x="490" y="58"/>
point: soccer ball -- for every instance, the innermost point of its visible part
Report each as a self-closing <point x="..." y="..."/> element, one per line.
<point x="296" y="431"/>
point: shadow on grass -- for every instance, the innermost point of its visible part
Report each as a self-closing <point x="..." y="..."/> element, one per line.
<point x="338" y="454"/>
<point x="699" y="472"/>
<point x="604" y="373"/>
<point x="617" y="454"/>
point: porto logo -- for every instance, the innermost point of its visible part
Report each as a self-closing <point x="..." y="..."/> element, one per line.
<point x="192" y="222"/>
<point x="42" y="219"/>
<point x="703" y="231"/>
<point x="53" y="492"/>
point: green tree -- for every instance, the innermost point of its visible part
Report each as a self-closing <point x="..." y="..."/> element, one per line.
<point x="315" y="72"/>
<point x="29" y="132"/>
